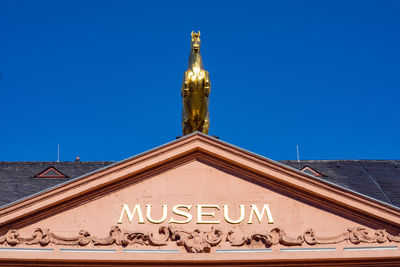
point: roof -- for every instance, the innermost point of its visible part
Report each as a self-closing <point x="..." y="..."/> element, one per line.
<point x="18" y="178"/>
<point x="378" y="179"/>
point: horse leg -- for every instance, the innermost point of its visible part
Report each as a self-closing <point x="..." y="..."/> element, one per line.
<point x="205" y="126"/>
<point x="207" y="85"/>
<point x="187" y="127"/>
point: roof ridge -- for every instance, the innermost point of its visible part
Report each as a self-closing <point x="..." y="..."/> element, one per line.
<point x="93" y="161"/>
<point x="343" y="160"/>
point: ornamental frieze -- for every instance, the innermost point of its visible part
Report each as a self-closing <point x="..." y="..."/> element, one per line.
<point x="196" y="241"/>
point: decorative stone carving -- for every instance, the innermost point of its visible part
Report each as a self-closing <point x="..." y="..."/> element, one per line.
<point x="43" y="237"/>
<point x="393" y="238"/>
<point x="120" y="238"/>
<point x="11" y="238"/>
<point x="310" y="238"/>
<point x="196" y="241"/>
<point x="275" y="236"/>
<point x="114" y="237"/>
<point x="355" y="235"/>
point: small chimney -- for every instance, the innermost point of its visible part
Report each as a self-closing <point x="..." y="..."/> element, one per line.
<point x="77" y="159"/>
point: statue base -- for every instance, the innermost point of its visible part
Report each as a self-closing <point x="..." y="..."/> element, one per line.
<point x="214" y="136"/>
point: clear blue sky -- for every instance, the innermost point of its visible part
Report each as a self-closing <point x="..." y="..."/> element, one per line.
<point x="102" y="78"/>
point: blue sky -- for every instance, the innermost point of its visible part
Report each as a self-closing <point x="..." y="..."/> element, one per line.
<point x="102" y="78"/>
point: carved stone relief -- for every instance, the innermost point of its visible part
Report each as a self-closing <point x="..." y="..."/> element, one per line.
<point x="196" y="241"/>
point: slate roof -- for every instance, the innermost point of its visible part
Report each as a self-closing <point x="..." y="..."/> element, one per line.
<point x="17" y="178"/>
<point x="379" y="179"/>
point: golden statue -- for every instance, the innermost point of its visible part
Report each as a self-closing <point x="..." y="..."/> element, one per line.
<point x="195" y="91"/>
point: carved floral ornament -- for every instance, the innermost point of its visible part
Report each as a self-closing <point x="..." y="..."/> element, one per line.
<point x="195" y="241"/>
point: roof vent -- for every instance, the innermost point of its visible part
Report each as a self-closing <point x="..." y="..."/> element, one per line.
<point x="50" y="172"/>
<point x="311" y="171"/>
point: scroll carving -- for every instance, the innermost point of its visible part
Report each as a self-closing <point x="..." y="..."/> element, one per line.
<point x="43" y="237"/>
<point x="196" y="241"/>
<point x="355" y="235"/>
<point x="125" y="238"/>
<point x="274" y="237"/>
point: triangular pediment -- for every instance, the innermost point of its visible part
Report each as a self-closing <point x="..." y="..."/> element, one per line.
<point x="209" y="183"/>
<point x="50" y="172"/>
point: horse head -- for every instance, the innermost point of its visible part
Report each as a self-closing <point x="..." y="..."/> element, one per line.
<point x="195" y="47"/>
<point x="195" y="60"/>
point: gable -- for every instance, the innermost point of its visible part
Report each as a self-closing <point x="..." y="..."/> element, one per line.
<point x="303" y="213"/>
<point x="192" y="184"/>
<point x="50" y="172"/>
<point x="378" y="179"/>
<point x="311" y="171"/>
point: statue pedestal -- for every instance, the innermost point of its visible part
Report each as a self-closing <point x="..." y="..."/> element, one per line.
<point x="214" y="136"/>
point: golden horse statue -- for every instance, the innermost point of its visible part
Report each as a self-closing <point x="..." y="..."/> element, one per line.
<point x="195" y="91"/>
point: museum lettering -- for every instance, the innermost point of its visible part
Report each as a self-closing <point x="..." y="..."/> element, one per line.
<point x="203" y="214"/>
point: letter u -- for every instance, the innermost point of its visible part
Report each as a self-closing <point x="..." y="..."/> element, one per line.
<point x="229" y="220"/>
<point x="148" y="214"/>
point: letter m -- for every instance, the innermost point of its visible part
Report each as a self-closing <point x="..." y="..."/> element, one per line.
<point x="254" y="210"/>
<point x="125" y="210"/>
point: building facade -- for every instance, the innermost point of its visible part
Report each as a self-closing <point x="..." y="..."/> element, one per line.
<point x="201" y="201"/>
